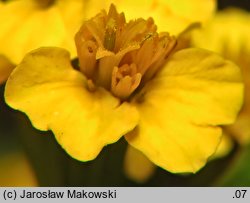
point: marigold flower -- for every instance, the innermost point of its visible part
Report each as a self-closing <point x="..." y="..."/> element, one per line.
<point x="227" y="34"/>
<point x="169" y="105"/>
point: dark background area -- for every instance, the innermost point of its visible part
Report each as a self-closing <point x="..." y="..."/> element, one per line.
<point x="244" y="4"/>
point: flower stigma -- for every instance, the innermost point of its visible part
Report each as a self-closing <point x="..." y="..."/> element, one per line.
<point x="121" y="56"/>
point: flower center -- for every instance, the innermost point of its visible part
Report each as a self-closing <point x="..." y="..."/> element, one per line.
<point x="121" y="56"/>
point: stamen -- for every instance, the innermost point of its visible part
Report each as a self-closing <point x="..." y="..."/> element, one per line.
<point x="125" y="80"/>
<point x="108" y="61"/>
<point x="165" y="47"/>
<point x="110" y="35"/>
<point x="135" y="31"/>
<point x="144" y="55"/>
<point x="87" y="57"/>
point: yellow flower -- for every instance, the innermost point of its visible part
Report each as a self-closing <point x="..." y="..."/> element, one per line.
<point x="228" y="34"/>
<point x="29" y="24"/>
<point x="169" y="105"/>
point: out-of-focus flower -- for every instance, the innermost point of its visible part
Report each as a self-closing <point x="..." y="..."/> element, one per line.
<point x="137" y="166"/>
<point x="29" y="24"/>
<point x="228" y="34"/>
<point x="16" y="171"/>
<point x="130" y="82"/>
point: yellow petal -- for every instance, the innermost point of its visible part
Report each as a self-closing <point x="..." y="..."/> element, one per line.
<point x="72" y="14"/>
<point x="182" y="108"/>
<point x="169" y="15"/>
<point x="5" y="68"/>
<point x="228" y="34"/>
<point x="25" y="26"/>
<point x="137" y="166"/>
<point x="55" y="97"/>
